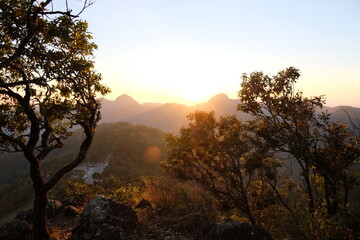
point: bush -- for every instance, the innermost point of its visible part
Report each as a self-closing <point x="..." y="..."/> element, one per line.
<point x="320" y="226"/>
<point x="181" y="206"/>
<point x="83" y="192"/>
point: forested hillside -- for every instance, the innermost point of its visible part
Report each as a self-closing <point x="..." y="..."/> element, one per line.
<point x="131" y="151"/>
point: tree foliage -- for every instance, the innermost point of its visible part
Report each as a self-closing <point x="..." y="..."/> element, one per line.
<point x="47" y="86"/>
<point x="223" y="157"/>
<point x="238" y="162"/>
<point x="291" y="123"/>
<point x="82" y="193"/>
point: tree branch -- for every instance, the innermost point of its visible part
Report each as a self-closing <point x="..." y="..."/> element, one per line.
<point x="12" y="140"/>
<point x="24" y="102"/>
<point x="79" y="158"/>
<point x="31" y="18"/>
<point x="39" y="81"/>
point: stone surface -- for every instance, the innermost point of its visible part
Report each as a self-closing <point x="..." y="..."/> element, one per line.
<point x="105" y="219"/>
<point x="15" y="230"/>
<point x="237" y="231"/>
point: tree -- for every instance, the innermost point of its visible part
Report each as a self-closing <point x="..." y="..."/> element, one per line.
<point x="222" y="156"/>
<point x="47" y="86"/>
<point x="290" y="123"/>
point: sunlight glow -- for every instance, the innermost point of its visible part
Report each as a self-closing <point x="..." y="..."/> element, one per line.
<point x="186" y="73"/>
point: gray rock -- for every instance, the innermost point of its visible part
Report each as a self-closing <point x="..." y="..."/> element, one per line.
<point x="105" y="219"/>
<point x="238" y="231"/>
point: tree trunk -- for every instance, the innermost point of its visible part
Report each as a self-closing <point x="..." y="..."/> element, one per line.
<point x="304" y="164"/>
<point x="309" y="191"/>
<point x="251" y="217"/>
<point x="40" y="230"/>
<point x="332" y="203"/>
<point x="346" y="192"/>
<point x="249" y="213"/>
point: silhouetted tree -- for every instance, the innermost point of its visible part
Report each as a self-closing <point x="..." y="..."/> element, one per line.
<point x="290" y="123"/>
<point x="47" y="86"/>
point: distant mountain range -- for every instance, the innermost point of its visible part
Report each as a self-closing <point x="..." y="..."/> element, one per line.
<point x="169" y="117"/>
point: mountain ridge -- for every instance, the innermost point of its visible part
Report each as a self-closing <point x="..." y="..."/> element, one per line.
<point x="170" y="117"/>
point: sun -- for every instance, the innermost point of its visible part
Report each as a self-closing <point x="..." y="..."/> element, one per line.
<point x="177" y="73"/>
<point x="193" y="92"/>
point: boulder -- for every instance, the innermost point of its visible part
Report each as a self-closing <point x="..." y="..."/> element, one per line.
<point x="105" y="219"/>
<point x="237" y="231"/>
<point x="15" y="230"/>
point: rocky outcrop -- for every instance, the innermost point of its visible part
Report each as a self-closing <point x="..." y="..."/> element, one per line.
<point x="238" y="231"/>
<point x="105" y="219"/>
<point x="15" y="230"/>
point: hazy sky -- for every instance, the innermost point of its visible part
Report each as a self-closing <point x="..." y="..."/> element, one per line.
<point x="189" y="50"/>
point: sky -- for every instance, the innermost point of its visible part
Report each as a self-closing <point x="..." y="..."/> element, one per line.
<point x="188" y="51"/>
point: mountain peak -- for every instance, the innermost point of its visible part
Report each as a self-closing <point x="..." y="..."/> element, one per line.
<point x="219" y="98"/>
<point x="126" y="99"/>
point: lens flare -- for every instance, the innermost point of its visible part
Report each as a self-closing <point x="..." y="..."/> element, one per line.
<point x="152" y="154"/>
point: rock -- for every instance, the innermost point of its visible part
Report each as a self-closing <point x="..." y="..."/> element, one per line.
<point x="105" y="219"/>
<point x="53" y="208"/>
<point x="238" y="231"/>
<point x="143" y="204"/>
<point x="15" y="230"/>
